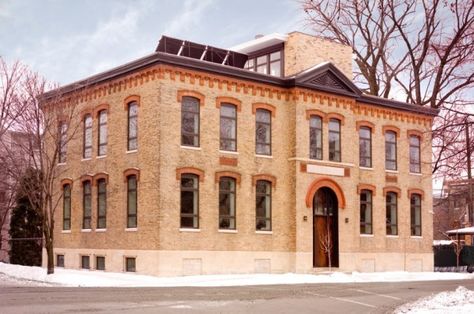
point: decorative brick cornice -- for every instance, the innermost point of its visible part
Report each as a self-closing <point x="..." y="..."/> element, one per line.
<point x="316" y="112"/>
<point x="415" y="133"/>
<point x="392" y="189"/>
<point x="266" y="177"/>
<point x="411" y="191"/>
<point x="101" y="107"/>
<point x="190" y="93"/>
<point x="325" y="182"/>
<point x="130" y="99"/>
<point x="334" y="115"/>
<point x="365" y="123"/>
<point x="232" y="174"/>
<point x="259" y="105"/>
<point x="87" y="177"/>
<point x="191" y="170"/>
<point x="131" y="172"/>
<point x="66" y="181"/>
<point x="99" y="176"/>
<point x="365" y="186"/>
<point x="228" y="100"/>
<point x="386" y="128"/>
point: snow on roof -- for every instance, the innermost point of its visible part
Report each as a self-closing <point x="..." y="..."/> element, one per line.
<point x="260" y="43"/>
<point x="314" y="67"/>
<point x="442" y="242"/>
<point x="468" y="230"/>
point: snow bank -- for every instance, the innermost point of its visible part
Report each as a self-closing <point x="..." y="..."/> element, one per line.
<point x="86" y="278"/>
<point x="459" y="301"/>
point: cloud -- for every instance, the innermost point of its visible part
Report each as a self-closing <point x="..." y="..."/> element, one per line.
<point x="190" y="16"/>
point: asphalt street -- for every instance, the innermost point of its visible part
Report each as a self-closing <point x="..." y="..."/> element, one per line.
<point x="18" y="297"/>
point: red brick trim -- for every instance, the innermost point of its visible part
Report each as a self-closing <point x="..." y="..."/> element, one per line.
<point x="131" y="171"/>
<point x="415" y="133"/>
<point x="101" y="175"/>
<point x="415" y="191"/>
<point x="232" y="174"/>
<point x="325" y="182"/>
<point x="192" y="170"/>
<point x="364" y="123"/>
<point x="228" y="161"/>
<point x="67" y="181"/>
<point x="364" y="186"/>
<point x="392" y="128"/>
<point x="347" y="172"/>
<point x="303" y="167"/>
<point x="260" y="105"/>
<point x="87" y="177"/>
<point x="129" y="99"/>
<point x="229" y="100"/>
<point x="334" y="115"/>
<point x="101" y="107"/>
<point x="392" y="189"/>
<point x="190" y="93"/>
<point x="316" y="112"/>
<point x="86" y="112"/>
<point x="266" y="177"/>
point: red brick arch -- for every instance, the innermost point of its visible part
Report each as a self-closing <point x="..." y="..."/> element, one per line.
<point x="328" y="183"/>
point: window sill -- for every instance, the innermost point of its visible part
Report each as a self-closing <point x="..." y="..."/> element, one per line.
<point x="61" y="164"/>
<point x="227" y="231"/>
<point x="190" y="147"/>
<point x="415" y="174"/>
<point x="86" y="159"/>
<point x="264" y="156"/>
<point x="100" y="230"/>
<point x="65" y="231"/>
<point x="86" y="230"/>
<point x="392" y="236"/>
<point x="416" y="237"/>
<point x="230" y="152"/>
<point x="131" y="151"/>
<point x="363" y="235"/>
<point x="101" y="157"/>
<point x="131" y="229"/>
<point x="366" y="168"/>
<point x="189" y="230"/>
<point x="391" y="171"/>
<point x="263" y="232"/>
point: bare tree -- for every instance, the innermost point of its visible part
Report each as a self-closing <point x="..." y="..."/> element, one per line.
<point x="326" y="241"/>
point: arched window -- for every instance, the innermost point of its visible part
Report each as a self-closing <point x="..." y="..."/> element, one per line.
<point x="87" y="137"/>
<point x="263" y="205"/>
<point x="67" y="207"/>
<point x="334" y="140"/>
<point x="315" y="138"/>
<point x="190" y="121"/>
<point x="263" y="132"/>
<point x="102" y="136"/>
<point x="132" y="201"/>
<point x="415" y="214"/>
<point x="227" y="203"/>
<point x="62" y="141"/>
<point x="86" y="204"/>
<point x="132" y="140"/>
<point x="415" y="163"/>
<point x="101" y="203"/>
<point x="390" y="150"/>
<point x="391" y="213"/>
<point x="366" y="212"/>
<point x="189" y="201"/>
<point x="228" y="125"/>
<point x="365" y="147"/>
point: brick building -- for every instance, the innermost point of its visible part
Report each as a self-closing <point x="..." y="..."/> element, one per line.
<point x="261" y="158"/>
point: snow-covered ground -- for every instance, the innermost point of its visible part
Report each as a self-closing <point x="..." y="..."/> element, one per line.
<point x="459" y="301"/>
<point x="85" y="278"/>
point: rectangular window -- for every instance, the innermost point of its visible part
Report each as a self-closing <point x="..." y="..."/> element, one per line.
<point x="334" y="140"/>
<point x="101" y="203"/>
<point x="415" y="164"/>
<point x="132" y="197"/>
<point x="85" y="262"/>
<point x="275" y="63"/>
<point x="262" y="64"/>
<point x="269" y="63"/>
<point x="87" y="149"/>
<point x="86" y="204"/>
<point x="130" y="264"/>
<point x="62" y="141"/>
<point x="390" y="150"/>
<point x="263" y="205"/>
<point x="132" y="143"/>
<point x="190" y="122"/>
<point x="100" y="262"/>
<point x="67" y="207"/>
<point x="365" y="147"/>
<point x="228" y="140"/>
<point x="102" y="148"/>
<point x="365" y="212"/>
<point x="315" y="138"/>
<point x="189" y="201"/>
<point x="391" y="213"/>
<point x="263" y="132"/>
<point x="227" y="203"/>
<point x="415" y="215"/>
<point x="59" y="260"/>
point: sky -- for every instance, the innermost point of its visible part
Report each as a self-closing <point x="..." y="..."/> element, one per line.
<point x="66" y="41"/>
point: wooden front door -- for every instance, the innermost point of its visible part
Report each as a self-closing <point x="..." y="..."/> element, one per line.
<point x="325" y="229"/>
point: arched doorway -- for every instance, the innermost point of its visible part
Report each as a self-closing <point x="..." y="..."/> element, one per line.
<point x="325" y="228"/>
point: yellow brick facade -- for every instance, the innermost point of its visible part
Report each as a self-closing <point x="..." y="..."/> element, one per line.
<point x="162" y="248"/>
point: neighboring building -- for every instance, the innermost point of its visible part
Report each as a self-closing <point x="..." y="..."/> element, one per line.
<point x="192" y="160"/>
<point x="451" y="210"/>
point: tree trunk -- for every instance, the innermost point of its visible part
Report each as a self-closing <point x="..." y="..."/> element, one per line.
<point x="50" y="255"/>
